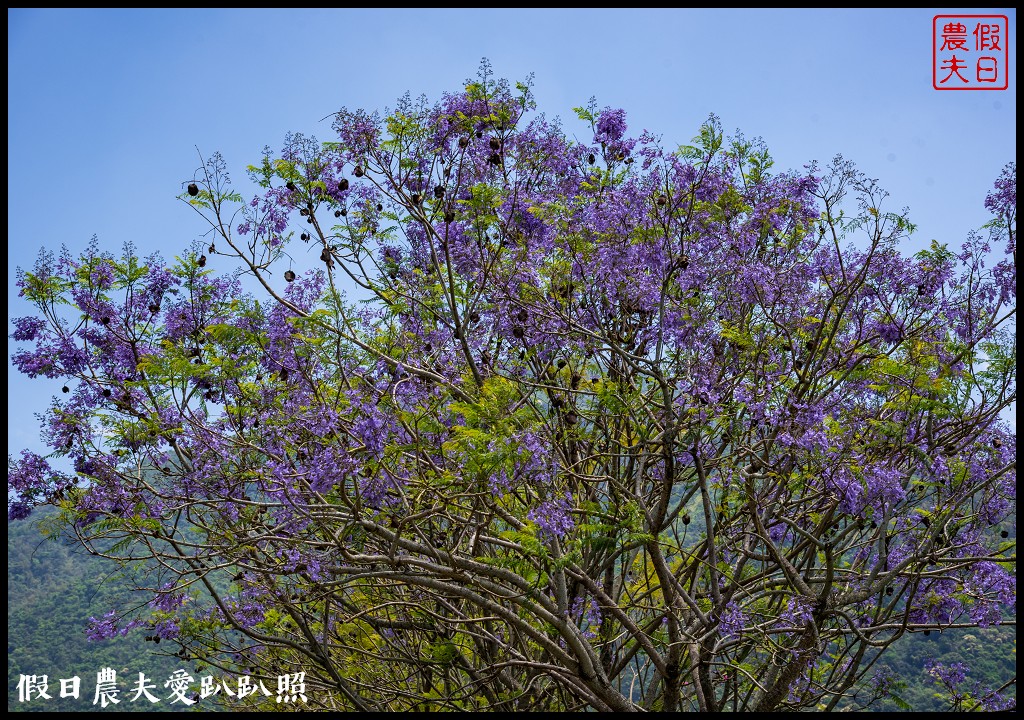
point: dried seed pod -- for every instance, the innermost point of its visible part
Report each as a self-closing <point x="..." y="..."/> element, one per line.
<point x="212" y="249"/>
<point x="344" y="212"/>
<point x="660" y="200"/>
<point x="65" y="389"/>
<point x="1004" y="534"/>
<point x="106" y="392"/>
<point x="449" y="216"/>
<point x="283" y="374"/>
<point x="518" y="332"/>
<point x="193" y="189"/>
<point x="337" y="213"/>
<point x="325" y="255"/>
<point x="439" y="190"/>
<point x="303" y="212"/>
<point x="591" y="159"/>
<point x="289" y="275"/>
<point x="304" y="237"/>
<point x="290" y="185"/>
<point x="417" y="198"/>
<point x="358" y="172"/>
<point x="522" y="315"/>
<point x="495" y="143"/>
<point x="343" y="184"/>
<point x="561" y="363"/>
<point x="154" y="308"/>
<point x="474" y="316"/>
<point x="494" y="159"/>
<point x="105" y="320"/>
<point x="380" y="208"/>
<point x="686" y="519"/>
<point x="202" y="261"/>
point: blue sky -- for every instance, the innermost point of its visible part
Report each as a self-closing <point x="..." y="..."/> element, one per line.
<point x="106" y="109"/>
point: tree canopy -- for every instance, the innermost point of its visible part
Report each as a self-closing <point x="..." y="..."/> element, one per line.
<point x="486" y="417"/>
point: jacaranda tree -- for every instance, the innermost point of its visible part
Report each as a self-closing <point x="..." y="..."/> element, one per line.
<point x="487" y="417"/>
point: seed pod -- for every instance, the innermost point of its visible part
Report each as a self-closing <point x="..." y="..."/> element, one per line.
<point x="65" y="389"/>
<point x="154" y="308"/>
<point x="344" y="212"/>
<point x="358" y="172"/>
<point x="283" y="374"/>
<point x="522" y="315"/>
<point x="686" y="519"/>
<point x="495" y="143"/>
<point x="202" y="261"/>
<point x="337" y="213"/>
<point x="494" y="159"/>
<point x="518" y="332"/>
<point x="463" y="142"/>
<point x="106" y="392"/>
<point x="105" y="320"/>
<point x="343" y="184"/>
<point x="289" y="275"/>
<point x="212" y="249"/>
<point x="417" y="198"/>
<point x="1004" y="534"/>
<point x="661" y="200"/>
<point x="439" y="191"/>
<point x="997" y="443"/>
<point x="304" y="237"/>
<point x="325" y="255"/>
<point x="591" y="159"/>
<point x="193" y="189"/>
<point x="474" y="316"/>
<point x="303" y="212"/>
<point x="479" y="134"/>
<point x="561" y="363"/>
<point x="570" y="418"/>
<point x="449" y="216"/>
<point x="290" y="185"/>
<point x="380" y="207"/>
<point x="888" y="591"/>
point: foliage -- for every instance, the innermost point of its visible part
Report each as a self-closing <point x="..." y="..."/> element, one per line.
<point x="457" y="464"/>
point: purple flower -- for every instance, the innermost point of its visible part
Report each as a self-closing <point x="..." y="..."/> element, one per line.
<point x="732" y="621"/>
<point x="610" y="126"/>
<point x="553" y="517"/>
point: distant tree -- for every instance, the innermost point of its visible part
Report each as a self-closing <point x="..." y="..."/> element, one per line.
<point x="509" y="421"/>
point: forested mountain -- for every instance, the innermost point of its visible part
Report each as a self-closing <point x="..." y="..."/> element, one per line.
<point x="53" y="590"/>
